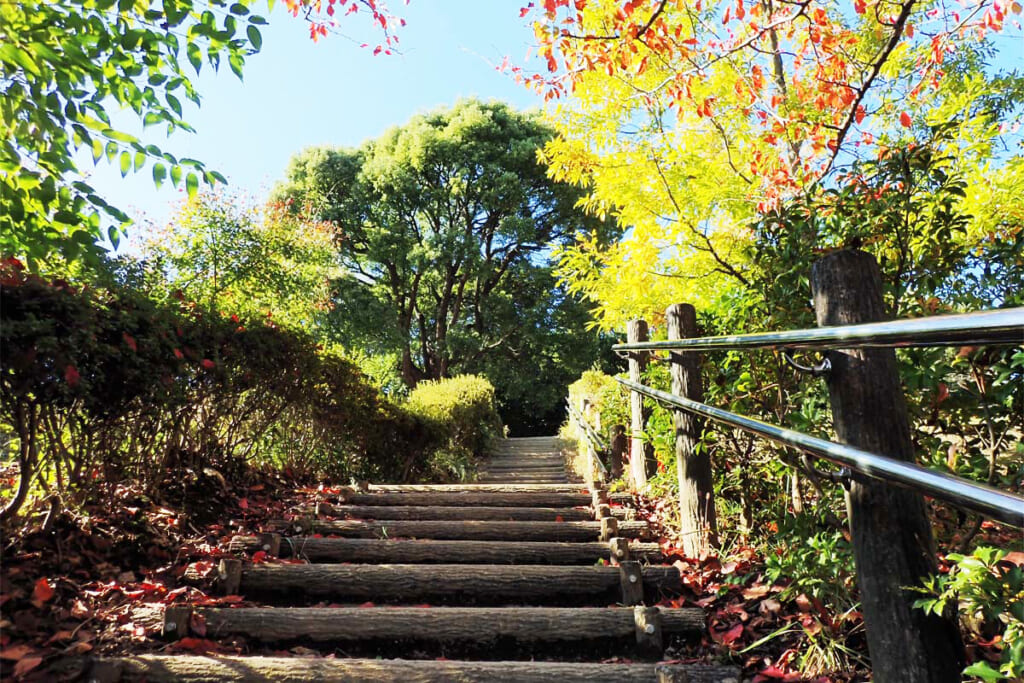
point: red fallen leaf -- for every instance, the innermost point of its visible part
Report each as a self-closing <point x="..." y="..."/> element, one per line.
<point x="197" y="624"/>
<point x="130" y="341"/>
<point x="25" y="665"/>
<point x="195" y="645"/>
<point x="803" y="603"/>
<point x="71" y="375"/>
<point x="208" y="364"/>
<point x="366" y="604"/>
<point x="729" y="636"/>
<point x="178" y="354"/>
<point x="243" y="503"/>
<point x="16" y="652"/>
<point x="259" y="556"/>
<point x="43" y="592"/>
<point x="559" y="518"/>
<point x="905" y="120"/>
<point x="771" y="673"/>
<point x="59" y="635"/>
<point x="257" y="487"/>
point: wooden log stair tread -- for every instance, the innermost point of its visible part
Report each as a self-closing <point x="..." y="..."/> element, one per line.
<point x="451" y="582"/>
<point x="456" y="530"/>
<point x="203" y="669"/>
<point x="522" y="565"/>
<point x="389" y="551"/>
<point x="274" y="624"/>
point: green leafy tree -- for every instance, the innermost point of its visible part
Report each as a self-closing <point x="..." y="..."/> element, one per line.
<point x="64" y="64"/>
<point x="443" y="225"/>
<point x="233" y="256"/>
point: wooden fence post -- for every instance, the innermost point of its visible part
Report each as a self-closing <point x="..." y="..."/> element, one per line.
<point x="619" y="445"/>
<point x="892" y="537"/>
<point x="639" y="452"/>
<point x="693" y="463"/>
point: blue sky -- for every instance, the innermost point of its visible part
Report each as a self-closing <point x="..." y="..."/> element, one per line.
<point x="297" y="93"/>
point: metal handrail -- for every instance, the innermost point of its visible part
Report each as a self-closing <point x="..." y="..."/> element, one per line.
<point x="590" y="434"/>
<point x="1003" y="326"/>
<point x="1005" y="507"/>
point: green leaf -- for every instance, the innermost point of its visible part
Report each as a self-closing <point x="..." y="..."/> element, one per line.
<point x="114" y="235"/>
<point x="159" y="174"/>
<point x="195" y="57"/>
<point x="254" y="37"/>
<point x="126" y="163"/>
<point x="173" y="103"/>
<point x="239" y="9"/>
<point x="983" y="671"/>
<point x="139" y="161"/>
<point x="257" y="19"/>
<point x="192" y="184"/>
<point x="236" y="61"/>
<point x="18" y="57"/>
<point x="97" y="150"/>
<point x="175" y="175"/>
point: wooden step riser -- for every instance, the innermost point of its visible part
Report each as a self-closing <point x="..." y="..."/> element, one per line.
<point x="500" y="479"/>
<point x="361" y="550"/>
<point x="481" y="488"/>
<point x="472" y="498"/>
<point x="477" y="584"/>
<point x="196" y="669"/>
<point x="463" y="530"/>
<point x="444" y="624"/>
<point x="416" y="512"/>
<point x="364" y="550"/>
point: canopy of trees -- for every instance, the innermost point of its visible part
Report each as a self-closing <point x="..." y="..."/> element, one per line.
<point x="444" y="226"/>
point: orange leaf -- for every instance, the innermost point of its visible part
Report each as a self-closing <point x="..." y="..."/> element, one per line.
<point x="43" y="591"/>
<point x="25" y="665"/>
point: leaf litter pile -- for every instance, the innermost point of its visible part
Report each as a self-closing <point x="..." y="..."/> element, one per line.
<point x="97" y="582"/>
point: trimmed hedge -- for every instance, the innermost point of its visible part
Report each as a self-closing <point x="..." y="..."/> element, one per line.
<point x="102" y="386"/>
<point x="462" y="415"/>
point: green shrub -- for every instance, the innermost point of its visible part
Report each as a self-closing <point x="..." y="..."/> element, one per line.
<point x="103" y="385"/>
<point x="461" y="414"/>
<point x="989" y="590"/>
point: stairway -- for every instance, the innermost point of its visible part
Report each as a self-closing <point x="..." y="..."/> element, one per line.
<point x="522" y="581"/>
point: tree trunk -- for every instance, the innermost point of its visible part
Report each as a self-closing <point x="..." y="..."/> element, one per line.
<point x="892" y="537"/>
<point x="693" y="461"/>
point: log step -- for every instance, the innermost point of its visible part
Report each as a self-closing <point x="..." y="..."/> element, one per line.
<point x="478" y="498"/>
<point x="441" y="624"/>
<point x="461" y="530"/>
<point x="510" y="479"/>
<point x="366" y="550"/>
<point x="196" y="669"/>
<point x="425" y="512"/>
<point x="450" y="582"/>
<point x="495" y="488"/>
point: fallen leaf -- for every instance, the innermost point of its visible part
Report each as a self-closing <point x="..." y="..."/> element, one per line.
<point x="25" y="665"/>
<point x="43" y="592"/>
<point x="756" y="591"/>
<point x="16" y="652"/>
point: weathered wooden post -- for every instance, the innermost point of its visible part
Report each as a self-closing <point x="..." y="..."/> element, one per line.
<point x="619" y="445"/>
<point x="639" y="452"/>
<point x="892" y="538"/>
<point x="693" y="462"/>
